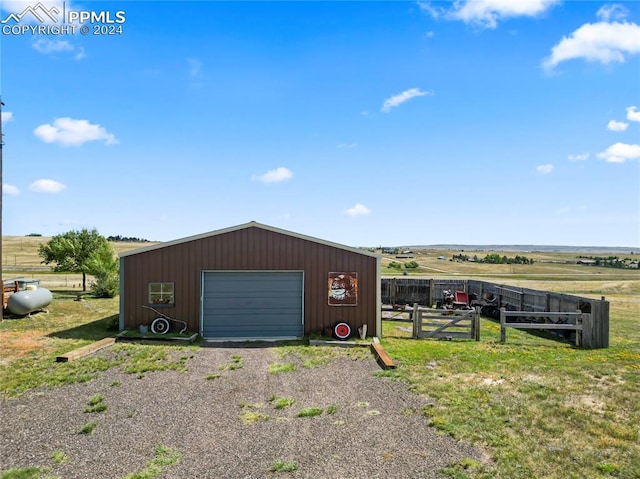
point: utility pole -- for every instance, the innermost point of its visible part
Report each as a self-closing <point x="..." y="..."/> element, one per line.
<point x="1" y="147"/>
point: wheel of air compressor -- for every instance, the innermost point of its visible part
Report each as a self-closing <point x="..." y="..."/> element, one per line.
<point x="342" y="331"/>
<point x="160" y="326"/>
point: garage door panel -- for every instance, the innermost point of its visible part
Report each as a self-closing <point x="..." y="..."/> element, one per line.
<point x="252" y="304"/>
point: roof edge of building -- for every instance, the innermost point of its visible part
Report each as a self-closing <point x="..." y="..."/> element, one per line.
<point x="251" y="224"/>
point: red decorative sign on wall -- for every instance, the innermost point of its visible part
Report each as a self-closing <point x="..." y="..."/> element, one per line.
<point x="343" y="289"/>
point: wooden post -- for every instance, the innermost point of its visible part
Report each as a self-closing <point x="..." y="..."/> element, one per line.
<point x="580" y="320"/>
<point x="476" y="324"/>
<point x="595" y="332"/>
<point x="431" y="292"/>
<point x="392" y="291"/>
<point x="503" y="328"/>
<point x="417" y="321"/>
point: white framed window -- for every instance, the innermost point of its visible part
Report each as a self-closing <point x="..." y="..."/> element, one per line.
<point x="161" y="293"/>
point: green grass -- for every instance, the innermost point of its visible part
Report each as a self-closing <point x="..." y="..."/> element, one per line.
<point x="88" y="427"/>
<point x="96" y="404"/>
<point x="280" y="465"/>
<point x="213" y="376"/>
<point x="26" y="473"/>
<point x="540" y="407"/>
<point x="278" y="368"/>
<point x="163" y="457"/>
<point x="310" y="412"/>
<point x="59" y="457"/>
<point x="235" y="363"/>
<point x="281" y="402"/>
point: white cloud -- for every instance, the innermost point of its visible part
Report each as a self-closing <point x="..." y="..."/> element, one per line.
<point x="610" y="12"/>
<point x="358" y="210"/>
<point x="620" y="152"/>
<point x="45" y="45"/>
<point x="7" y="116"/>
<point x="633" y="114"/>
<point x="487" y="13"/>
<point x="602" y="42"/>
<point x="68" y="131"/>
<point x="544" y="169"/>
<point x="579" y="157"/>
<point x="617" y="125"/>
<point x="8" y="189"/>
<point x="275" y="176"/>
<point x="400" y="98"/>
<point x="46" y="186"/>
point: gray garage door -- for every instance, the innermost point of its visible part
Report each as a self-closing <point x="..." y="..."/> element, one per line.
<point x="257" y="304"/>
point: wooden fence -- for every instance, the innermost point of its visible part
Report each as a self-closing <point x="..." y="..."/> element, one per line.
<point x="446" y="323"/>
<point x="427" y="292"/>
<point x="545" y="321"/>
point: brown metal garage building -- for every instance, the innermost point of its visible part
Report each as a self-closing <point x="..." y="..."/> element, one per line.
<point x="251" y="281"/>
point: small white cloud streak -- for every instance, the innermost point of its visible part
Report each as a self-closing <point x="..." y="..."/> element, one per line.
<point x="7" y="116"/>
<point x="487" y="13"/>
<point x="544" y="169"/>
<point x="69" y="132"/>
<point x="633" y="114"/>
<point x="45" y="45"/>
<point x="274" y="176"/>
<point x="610" y="12"/>
<point x="617" y="125"/>
<point x="620" y="152"/>
<point x="358" y="210"/>
<point x="579" y="157"/>
<point x="600" y="42"/>
<point x="400" y="98"/>
<point x="46" y="186"/>
<point x="8" y="189"/>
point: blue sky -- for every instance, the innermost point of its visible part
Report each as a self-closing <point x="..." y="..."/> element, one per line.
<point x="364" y="123"/>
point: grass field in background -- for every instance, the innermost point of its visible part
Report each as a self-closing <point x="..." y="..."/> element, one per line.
<point x="537" y="406"/>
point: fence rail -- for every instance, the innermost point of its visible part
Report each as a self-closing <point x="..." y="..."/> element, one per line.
<point x="446" y="323"/>
<point x="545" y="321"/>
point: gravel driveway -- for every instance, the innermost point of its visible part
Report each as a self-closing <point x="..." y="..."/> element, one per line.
<point x="376" y="431"/>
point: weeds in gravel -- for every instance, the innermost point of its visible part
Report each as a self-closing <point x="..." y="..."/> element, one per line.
<point x="281" y="402"/>
<point x="59" y="457"/>
<point x="96" y="404"/>
<point x="213" y="376"/>
<point x="116" y="384"/>
<point x="88" y="427"/>
<point x="332" y="409"/>
<point x="280" y="465"/>
<point x="34" y="372"/>
<point x="250" y="414"/>
<point x="277" y="368"/>
<point x="163" y="457"/>
<point x="462" y="469"/>
<point x="26" y="473"/>
<point x="236" y="363"/>
<point x="310" y="412"/>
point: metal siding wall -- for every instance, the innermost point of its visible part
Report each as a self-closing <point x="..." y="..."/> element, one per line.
<point x="251" y="249"/>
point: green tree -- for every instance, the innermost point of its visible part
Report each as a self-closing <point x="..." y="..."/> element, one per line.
<point x="104" y="267"/>
<point x="71" y="252"/>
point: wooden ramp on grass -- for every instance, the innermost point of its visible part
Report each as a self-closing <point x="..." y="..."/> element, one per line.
<point x="383" y="358"/>
<point x="86" y="350"/>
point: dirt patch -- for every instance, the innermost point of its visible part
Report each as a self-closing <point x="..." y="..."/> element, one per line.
<point x="369" y="426"/>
